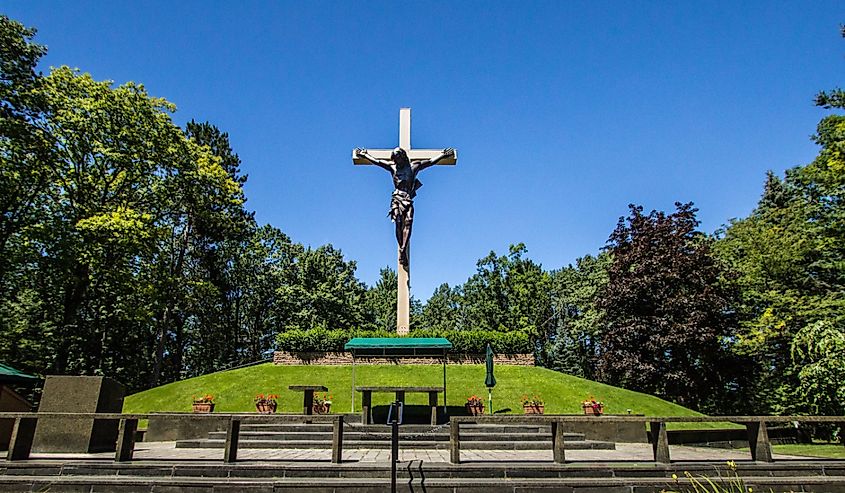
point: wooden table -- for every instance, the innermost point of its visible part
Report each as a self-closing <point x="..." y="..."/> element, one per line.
<point x="308" y="398"/>
<point x="367" y="399"/>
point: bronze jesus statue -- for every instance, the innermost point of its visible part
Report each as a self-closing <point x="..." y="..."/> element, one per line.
<point x="406" y="184"/>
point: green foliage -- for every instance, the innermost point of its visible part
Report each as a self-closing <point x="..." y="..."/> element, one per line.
<point x="24" y="176"/>
<point x="731" y="482"/>
<point x="575" y="290"/>
<point x="463" y="341"/>
<point x="475" y="341"/>
<point x="381" y="299"/>
<point x="819" y="349"/>
<point x="128" y="249"/>
<point x="321" y="339"/>
<point x="322" y="291"/>
<point x="789" y="255"/>
<point x="508" y="291"/>
<point x="444" y="310"/>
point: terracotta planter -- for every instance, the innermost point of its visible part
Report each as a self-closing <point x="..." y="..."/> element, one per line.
<point x="266" y="407"/>
<point x="321" y="408"/>
<point x="593" y="410"/>
<point x="475" y="409"/>
<point x="203" y="407"/>
<point x="529" y="409"/>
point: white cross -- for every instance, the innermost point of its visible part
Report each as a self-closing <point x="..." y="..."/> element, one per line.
<point x="405" y="143"/>
<point x="403" y="291"/>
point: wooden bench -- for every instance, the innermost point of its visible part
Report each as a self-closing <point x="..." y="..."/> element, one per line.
<point x="367" y="399"/>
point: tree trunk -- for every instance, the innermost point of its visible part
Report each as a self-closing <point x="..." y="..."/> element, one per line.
<point x="74" y="294"/>
<point x="164" y="325"/>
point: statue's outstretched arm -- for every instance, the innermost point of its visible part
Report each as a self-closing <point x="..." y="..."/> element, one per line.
<point x="381" y="163"/>
<point x="421" y="165"/>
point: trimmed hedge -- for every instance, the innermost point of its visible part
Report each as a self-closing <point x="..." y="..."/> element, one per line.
<point x="463" y="341"/>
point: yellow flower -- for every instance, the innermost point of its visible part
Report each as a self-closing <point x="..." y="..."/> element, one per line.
<point x="675" y="477"/>
<point x="732" y="464"/>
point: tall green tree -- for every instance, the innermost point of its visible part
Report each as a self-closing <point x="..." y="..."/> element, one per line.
<point x="790" y="257"/>
<point x="129" y="250"/>
<point x="444" y="310"/>
<point x="790" y="260"/>
<point x="122" y="178"/>
<point x="508" y="292"/>
<point x="575" y="290"/>
<point x="25" y="150"/>
<point x="192" y="276"/>
<point x="820" y="349"/>
<point x="324" y="291"/>
<point x="380" y="301"/>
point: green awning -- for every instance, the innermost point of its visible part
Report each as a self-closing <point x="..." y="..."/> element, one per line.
<point x="11" y="375"/>
<point x="398" y="343"/>
<point x="398" y="347"/>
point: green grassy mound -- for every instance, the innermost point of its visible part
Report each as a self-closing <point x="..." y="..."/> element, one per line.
<point x="235" y="390"/>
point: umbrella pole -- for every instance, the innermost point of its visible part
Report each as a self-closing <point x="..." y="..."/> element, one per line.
<point x="490" y="398"/>
<point x="445" y="412"/>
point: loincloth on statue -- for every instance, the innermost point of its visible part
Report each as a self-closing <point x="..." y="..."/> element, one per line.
<point x="401" y="206"/>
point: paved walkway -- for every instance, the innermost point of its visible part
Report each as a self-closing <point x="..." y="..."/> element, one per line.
<point x="624" y="452"/>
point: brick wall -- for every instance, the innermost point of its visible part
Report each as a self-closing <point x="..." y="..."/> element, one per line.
<point x="343" y="358"/>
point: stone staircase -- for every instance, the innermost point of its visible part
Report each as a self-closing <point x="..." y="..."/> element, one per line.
<point x="358" y="436"/>
<point x="260" y="477"/>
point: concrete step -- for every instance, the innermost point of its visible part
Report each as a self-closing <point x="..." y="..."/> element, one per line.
<point x="411" y="444"/>
<point x="352" y="469"/>
<point x="385" y="435"/>
<point x="411" y="428"/>
<point x="430" y="485"/>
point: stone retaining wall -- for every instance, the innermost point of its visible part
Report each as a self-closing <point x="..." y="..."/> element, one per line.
<point x="343" y="358"/>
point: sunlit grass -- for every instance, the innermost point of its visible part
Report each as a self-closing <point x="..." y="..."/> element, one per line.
<point x="822" y="450"/>
<point x="234" y="390"/>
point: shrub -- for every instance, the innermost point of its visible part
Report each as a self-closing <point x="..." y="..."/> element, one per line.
<point x="463" y="341"/>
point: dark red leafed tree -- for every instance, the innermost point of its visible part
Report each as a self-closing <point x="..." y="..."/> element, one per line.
<point x="666" y="314"/>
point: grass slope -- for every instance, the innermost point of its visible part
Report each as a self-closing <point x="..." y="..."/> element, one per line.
<point x="234" y="390"/>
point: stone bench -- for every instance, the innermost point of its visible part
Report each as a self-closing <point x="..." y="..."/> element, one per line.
<point x="23" y="431"/>
<point x="367" y="399"/>
<point x="758" y="438"/>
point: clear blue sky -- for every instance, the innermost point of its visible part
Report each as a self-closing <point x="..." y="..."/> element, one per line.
<point x="562" y="112"/>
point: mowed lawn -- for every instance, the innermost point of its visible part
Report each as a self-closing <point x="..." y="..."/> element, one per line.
<point x="234" y="390"/>
<point x="824" y="450"/>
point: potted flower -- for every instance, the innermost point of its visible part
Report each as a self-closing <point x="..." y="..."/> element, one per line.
<point x="266" y="404"/>
<point x="593" y="407"/>
<point x="322" y="403"/>
<point x="533" y="405"/>
<point x="203" y="404"/>
<point x="474" y="406"/>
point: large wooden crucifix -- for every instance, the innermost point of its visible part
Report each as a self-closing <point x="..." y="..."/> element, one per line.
<point x="403" y="164"/>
